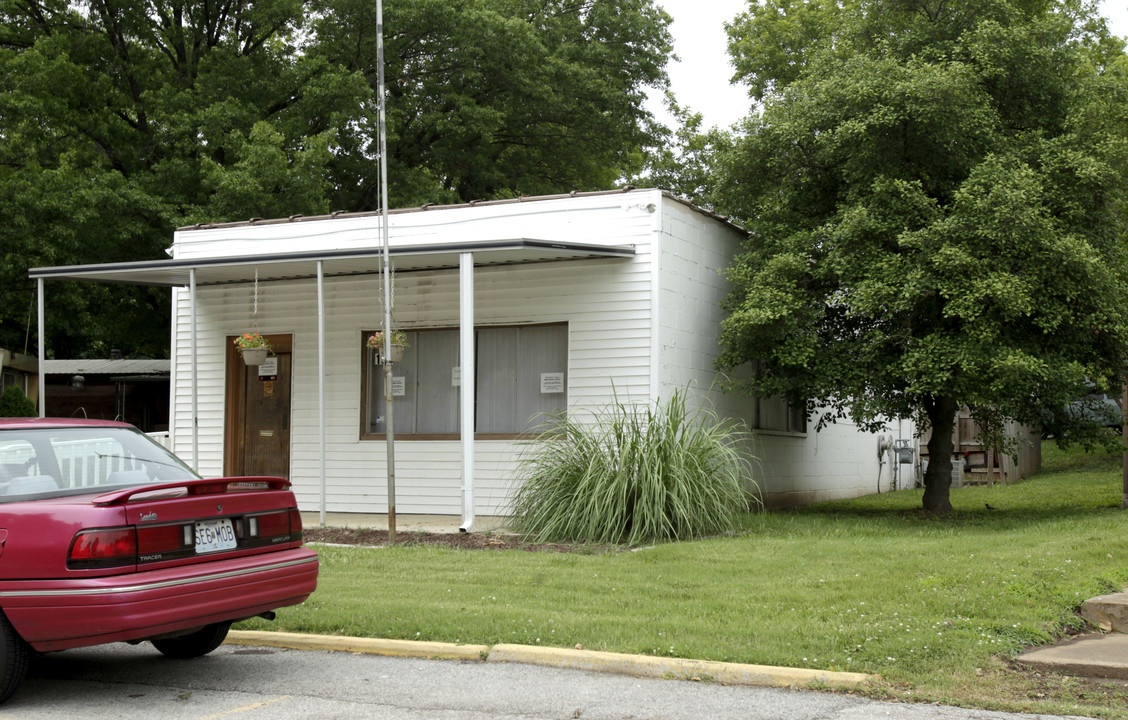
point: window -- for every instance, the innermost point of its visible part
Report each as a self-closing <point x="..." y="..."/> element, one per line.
<point x="776" y="413"/>
<point x="13" y="378"/>
<point x="521" y="375"/>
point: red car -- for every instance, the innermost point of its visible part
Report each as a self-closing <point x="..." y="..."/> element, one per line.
<point x="105" y="536"/>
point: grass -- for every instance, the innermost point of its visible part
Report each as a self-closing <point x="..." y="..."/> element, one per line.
<point x="938" y="607"/>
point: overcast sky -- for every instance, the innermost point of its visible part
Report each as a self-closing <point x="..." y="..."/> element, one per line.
<point x="701" y="79"/>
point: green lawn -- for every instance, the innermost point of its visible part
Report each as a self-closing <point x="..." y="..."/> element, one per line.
<point x="938" y="607"/>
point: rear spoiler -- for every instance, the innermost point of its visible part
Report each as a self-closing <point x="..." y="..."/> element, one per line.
<point x="197" y="486"/>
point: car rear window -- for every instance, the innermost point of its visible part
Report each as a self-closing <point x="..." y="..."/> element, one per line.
<point x="70" y="461"/>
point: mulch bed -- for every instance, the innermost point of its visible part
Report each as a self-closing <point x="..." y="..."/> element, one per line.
<point x="459" y="540"/>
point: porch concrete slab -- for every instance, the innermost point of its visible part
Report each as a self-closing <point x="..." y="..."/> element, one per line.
<point x="1086" y="655"/>
<point x="404" y="522"/>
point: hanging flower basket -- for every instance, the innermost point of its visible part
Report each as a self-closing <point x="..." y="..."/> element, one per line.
<point x="399" y="344"/>
<point x="397" y="354"/>
<point x="254" y="348"/>
<point x="255" y="356"/>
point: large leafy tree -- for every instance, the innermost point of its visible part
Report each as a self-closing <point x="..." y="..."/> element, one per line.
<point x="936" y="199"/>
<point x="498" y="98"/>
<point x="123" y="119"/>
<point x="684" y="164"/>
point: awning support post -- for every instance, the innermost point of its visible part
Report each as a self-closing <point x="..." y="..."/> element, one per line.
<point x="467" y="373"/>
<point x="42" y="349"/>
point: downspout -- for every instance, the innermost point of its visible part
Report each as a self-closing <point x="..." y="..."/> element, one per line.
<point x="195" y="371"/>
<point x="466" y="382"/>
<point x="321" y="376"/>
<point x="657" y="245"/>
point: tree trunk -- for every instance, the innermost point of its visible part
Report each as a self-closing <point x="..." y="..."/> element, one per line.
<point x="938" y="478"/>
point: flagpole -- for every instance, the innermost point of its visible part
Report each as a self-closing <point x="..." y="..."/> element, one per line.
<point x="389" y="426"/>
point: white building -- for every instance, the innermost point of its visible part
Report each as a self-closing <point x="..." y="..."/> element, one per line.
<point x="561" y="302"/>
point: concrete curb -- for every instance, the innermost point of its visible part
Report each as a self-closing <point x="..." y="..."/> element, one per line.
<point x="370" y="646"/>
<point x="677" y="668"/>
<point x="636" y="665"/>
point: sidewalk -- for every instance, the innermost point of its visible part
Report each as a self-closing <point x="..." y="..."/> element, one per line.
<point x="1094" y="655"/>
<point x="1102" y="654"/>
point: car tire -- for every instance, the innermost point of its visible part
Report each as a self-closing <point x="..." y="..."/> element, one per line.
<point x="14" y="656"/>
<point x="193" y="645"/>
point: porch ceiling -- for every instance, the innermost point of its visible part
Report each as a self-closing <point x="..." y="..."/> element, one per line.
<point x="360" y="261"/>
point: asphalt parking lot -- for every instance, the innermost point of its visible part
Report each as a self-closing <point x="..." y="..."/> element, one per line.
<point x="259" y="683"/>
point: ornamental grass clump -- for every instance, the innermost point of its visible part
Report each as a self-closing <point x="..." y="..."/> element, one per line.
<point x="634" y="475"/>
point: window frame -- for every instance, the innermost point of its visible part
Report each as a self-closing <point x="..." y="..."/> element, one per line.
<point x="795" y="417"/>
<point x="366" y="360"/>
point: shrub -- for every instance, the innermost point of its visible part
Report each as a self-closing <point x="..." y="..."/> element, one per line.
<point x="15" y="403"/>
<point x="634" y="475"/>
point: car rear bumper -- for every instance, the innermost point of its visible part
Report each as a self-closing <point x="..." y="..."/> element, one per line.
<point x="60" y="614"/>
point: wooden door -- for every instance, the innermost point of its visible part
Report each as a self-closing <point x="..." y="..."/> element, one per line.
<point x="258" y="412"/>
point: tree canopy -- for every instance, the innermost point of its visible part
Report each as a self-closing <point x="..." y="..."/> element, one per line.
<point x="122" y="120"/>
<point x="937" y="196"/>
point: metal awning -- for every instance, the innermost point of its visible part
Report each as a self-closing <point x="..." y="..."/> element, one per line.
<point x="336" y="263"/>
<point x="102" y="366"/>
<point x="463" y="256"/>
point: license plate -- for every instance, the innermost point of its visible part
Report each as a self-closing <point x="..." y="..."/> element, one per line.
<point x="213" y="535"/>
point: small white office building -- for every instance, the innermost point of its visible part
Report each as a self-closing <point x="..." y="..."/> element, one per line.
<point x="512" y="309"/>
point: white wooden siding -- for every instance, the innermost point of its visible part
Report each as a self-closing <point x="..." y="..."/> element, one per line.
<point x="637" y="328"/>
<point x="791" y="468"/>
<point x="606" y="303"/>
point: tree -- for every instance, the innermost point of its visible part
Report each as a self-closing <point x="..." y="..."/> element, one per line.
<point x="497" y="98"/>
<point x="936" y="197"/>
<point x="124" y="119"/>
<point x="683" y="163"/>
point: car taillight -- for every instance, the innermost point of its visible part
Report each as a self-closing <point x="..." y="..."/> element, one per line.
<point x="276" y="526"/>
<point x="103" y="548"/>
<point x="157" y="540"/>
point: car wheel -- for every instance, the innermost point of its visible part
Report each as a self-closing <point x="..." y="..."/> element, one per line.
<point x="201" y="642"/>
<point x="14" y="654"/>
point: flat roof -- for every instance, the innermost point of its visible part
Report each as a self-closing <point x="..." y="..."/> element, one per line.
<point x="101" y="366"/>
<point x="432" y="207"/>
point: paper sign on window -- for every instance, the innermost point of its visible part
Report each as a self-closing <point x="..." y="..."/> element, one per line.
<point x="455" y="376"/>
<point x="399" y="386"/>
<point x="552" y="383"/>
<point x="269" y="368"/>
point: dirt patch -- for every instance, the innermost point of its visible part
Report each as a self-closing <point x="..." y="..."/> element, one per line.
<point x="461" y="541"/>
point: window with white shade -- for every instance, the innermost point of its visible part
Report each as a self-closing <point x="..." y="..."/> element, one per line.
<point x="521" y="377"/>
